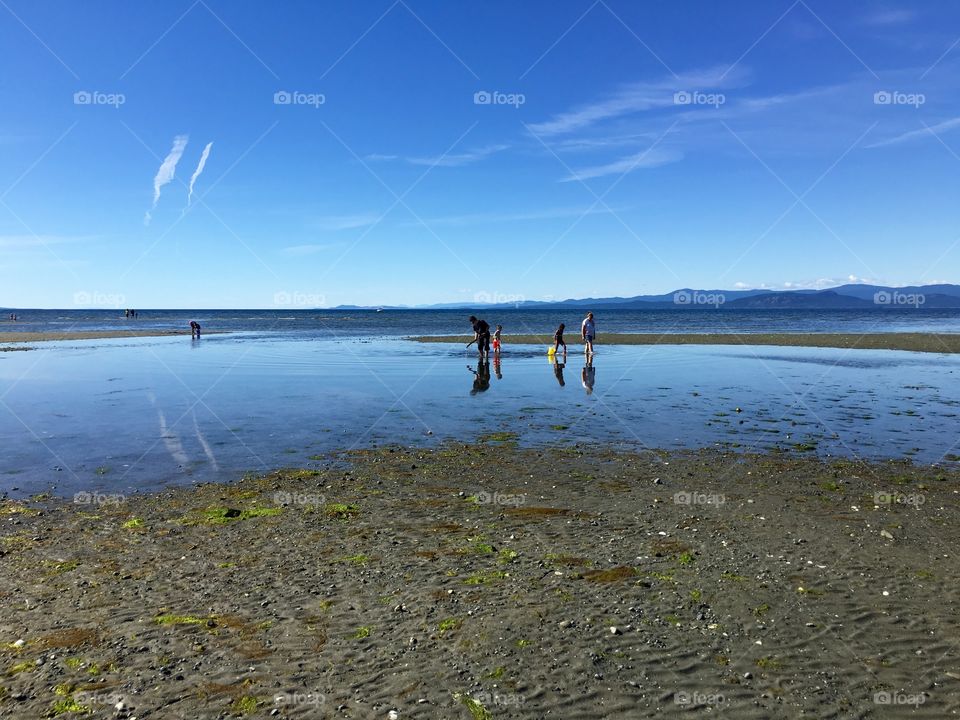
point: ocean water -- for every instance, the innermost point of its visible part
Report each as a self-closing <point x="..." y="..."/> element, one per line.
<point x="301" y="324"/>
<point x="131" y="414"/>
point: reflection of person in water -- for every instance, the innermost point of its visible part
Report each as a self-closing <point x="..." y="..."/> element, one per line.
<point x="481" y="377"/>
<point x="496" y="366"/>
<point x="588" y="375"/>
<point x="558" y="370"/>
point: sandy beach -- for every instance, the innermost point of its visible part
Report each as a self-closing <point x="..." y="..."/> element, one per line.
<point x="918" y="342"/>
<point x="486" y="581"/>
<point x="31" y="337"/>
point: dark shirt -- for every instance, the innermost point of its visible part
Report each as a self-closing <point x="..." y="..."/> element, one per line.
<point x="481" y="327"/>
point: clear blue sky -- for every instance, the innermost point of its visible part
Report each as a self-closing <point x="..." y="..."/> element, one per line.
<point x="785" y="169"/>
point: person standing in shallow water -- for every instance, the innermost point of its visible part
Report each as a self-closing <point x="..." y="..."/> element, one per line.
<point x="588" y="331"/>
<point x="481" y="336"/>
<point x="194" y="329"/>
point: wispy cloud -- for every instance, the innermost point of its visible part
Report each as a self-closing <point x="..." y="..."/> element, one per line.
<point x="344" y="222"/>
<point x="529" y="216"/>
<point x="925" y="132"/>
<point x="309" y="249"/>
<point x="646" y="159"/>
<point x="449" y="160"/>
<point x="165" y="173"/>
<point x="196" y="173"/>
<point x="638" y="97"/>
<point x="892" y="16"/>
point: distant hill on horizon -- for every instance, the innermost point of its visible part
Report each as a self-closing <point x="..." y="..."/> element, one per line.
<point x="843" y="297"/>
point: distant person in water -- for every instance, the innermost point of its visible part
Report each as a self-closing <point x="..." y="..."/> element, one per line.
<point x="481" y="336"/>
<point x="481" y="376"/>
<point x="194" y="329"/>
<point x="496" y="339"/>
<point x="588" y="375"/>
<point x="558" y="339"/>
<point x="588" y="331"/>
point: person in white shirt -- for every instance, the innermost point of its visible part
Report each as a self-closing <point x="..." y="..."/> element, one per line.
<point x="588" y="331"/>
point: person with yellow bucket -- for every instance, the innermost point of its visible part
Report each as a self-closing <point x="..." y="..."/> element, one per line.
<point x="558" y="341"/>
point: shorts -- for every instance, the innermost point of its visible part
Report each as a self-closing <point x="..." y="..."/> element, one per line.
<point x="588" y="338"/>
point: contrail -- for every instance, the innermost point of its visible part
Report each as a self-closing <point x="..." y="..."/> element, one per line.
<point x="165" y="173"/>
<point x="196" y="173"/>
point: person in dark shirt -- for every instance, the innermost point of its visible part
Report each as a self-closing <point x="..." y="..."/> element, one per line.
<point x="481" y="336"/>
<point x="558" y="339"/>
<point x="194" y="329"/>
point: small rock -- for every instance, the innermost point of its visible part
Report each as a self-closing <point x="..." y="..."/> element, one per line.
<point x="747" y="676"/>
<point x="19" y="643"/>
<point x="886" y="534"/>
<point x="393" y="715"/>
<point x="614" y="630"/>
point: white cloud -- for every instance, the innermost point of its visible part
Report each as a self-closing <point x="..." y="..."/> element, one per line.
<point x="638" y="97"/>
<point x="309" y="249"/>
<point x="196" y="173"/>
<point x="645" y="159"/>
<point x="446" y="160"/>
<point x="165" y="173"/>
<point x="345" y="222"/>
<point x="495" y="217"/>
<point x="922" y="132"/>
<point x="890" y="17"/>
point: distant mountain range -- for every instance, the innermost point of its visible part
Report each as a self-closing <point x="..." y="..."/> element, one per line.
<point x="844" y="297"/>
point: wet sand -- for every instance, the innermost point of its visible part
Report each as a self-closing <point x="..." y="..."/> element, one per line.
<point x="919" y="342"/>
<point x="29" y="337"/>
<point x="488" y="581"/>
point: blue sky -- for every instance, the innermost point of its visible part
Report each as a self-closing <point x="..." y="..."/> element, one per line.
<point x="437" y="151"/>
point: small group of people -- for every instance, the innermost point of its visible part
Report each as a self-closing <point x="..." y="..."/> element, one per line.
<point x="481" y="336"/>
<point x="128" y="313"/>
<point x="13" y="317"/>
